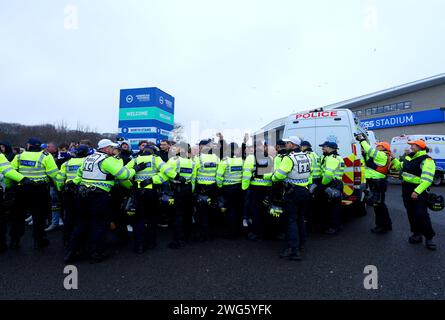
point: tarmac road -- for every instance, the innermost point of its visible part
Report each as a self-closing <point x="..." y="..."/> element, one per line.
<point x="223" y="269"/>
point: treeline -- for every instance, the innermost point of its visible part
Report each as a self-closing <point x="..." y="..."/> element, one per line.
<point x="17" y="134"/>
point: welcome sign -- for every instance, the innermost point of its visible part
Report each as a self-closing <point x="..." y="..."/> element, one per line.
<point x="145" y="114"/>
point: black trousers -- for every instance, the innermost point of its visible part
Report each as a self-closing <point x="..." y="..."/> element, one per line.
<point x="331" y="211"/>
<point x="146" y="217"/>
<point x="36" y="200"/>
<point x="182" y="212"/>
<point x="234" y="199"/>
<point x="93" y="222"/>
<point x="378" y="187"/>
<point x="257" y="210"/>
<point x="417" y="210"/>
<point x="296" y="202"/>
<point x="119" y="216"/>
<point x="206" y="214"/>
<point x="70" y="202"/>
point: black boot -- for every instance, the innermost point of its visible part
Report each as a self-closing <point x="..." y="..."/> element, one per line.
<point x="415" y="239"/>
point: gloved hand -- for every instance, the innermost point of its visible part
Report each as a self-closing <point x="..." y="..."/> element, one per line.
<point x="139" y="167"/>
<point x="360" y="138"/>
<point x="146" y="182"/>
<point x="27" y="182"/>
<point x="69" y="186"/>
<point x="180" y="179"/>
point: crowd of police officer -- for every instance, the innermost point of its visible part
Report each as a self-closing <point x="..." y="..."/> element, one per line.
<point x="224" y="190"/>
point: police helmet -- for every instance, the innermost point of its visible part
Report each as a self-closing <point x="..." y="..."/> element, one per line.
<point x="435" y="202"/>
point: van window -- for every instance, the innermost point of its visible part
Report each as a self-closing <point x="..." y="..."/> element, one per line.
<point x="339" y="134"/>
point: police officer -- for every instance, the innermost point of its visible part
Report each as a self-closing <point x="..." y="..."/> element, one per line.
<point x="332" y="169"/>
<point x="377" y="161"/>
<point x="96" y="178"/>
<point x="38" y="166"/>
<point x="204" y="176"/>
<point x="314" y="214"/>
<point x="281" y="152"/>
<point x="228" y="178"/>
<point x="417" y="171"/>
<point x="294" y="170"/>
<point x="8" y="175"/>
<point x="152" y="172"/>
<point x="65" y="184"/>
<point x="182" y="186"/>
<point x="257" y="170"/>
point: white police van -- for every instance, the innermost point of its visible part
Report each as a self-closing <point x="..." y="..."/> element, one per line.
<point x="436" y="143"/>
<point x="336" y="125"/>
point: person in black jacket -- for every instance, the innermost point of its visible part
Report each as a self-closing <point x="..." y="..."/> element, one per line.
<point x="6" y="149"/>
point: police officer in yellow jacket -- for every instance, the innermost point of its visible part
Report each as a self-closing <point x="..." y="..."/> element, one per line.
<point x="332" y="168"/>
<point x="228" y="178"/>
<point x="95" y="178"/>
<point x="39" y="166"/>
<point x="204" y="177"/>
<point x="151" y="173"/>
<point x="8" y="175"/>
<point x="314" y="212"/>
<point x="65" y="184"/>
<point x="257" y="171"/>
<point x="182" y="185"/>
<point x="377" y="161"/>
<point x="295" y="171"/>
<point x="417" y="171"/>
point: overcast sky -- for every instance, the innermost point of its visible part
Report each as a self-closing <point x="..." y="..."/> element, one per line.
<point x="229" y="64"/>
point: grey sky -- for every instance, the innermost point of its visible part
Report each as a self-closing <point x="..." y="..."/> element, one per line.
<point x="229" y="64"/>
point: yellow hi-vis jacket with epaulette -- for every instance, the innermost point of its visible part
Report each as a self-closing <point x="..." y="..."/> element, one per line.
<point x="277" y="161"/>
<point x="418" y="170"/>
<point x="250" y="168"/>
<point x="100" y="170"/>
<point x="315" y="160"/>
<point x="332" y="167"/>
<point x="68" y="171"/>
<point x="183" y="167"/>
<point x="229" y="172"/>
<point x="38" y="166"/>
<point x="205" y="169"/>
<point x="159" y="171"/>
<point x="378" y="157"/>
<point x="8" y="172"/>
<point x="295" y="168"/>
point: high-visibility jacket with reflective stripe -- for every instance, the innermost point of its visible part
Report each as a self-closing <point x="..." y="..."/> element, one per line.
<point x="156" y="169"/>
<point x="249" y="177"/>
<point x="68" y="171"/>
<point x="205" y="169"/>
<point x="182" y="166"/>
<point x="229" y="172"/>
<point x="9" y="173"/>
<point x="379" y="158"/>
<point x="277" y="161"/>
<point x="315" y="160"/>
<point x="332" y="167"/>
<point x="36" y="165"/>
<point x="427" y="167"/>
<point x="110" y="166"/>
<point x="291" y="172"/>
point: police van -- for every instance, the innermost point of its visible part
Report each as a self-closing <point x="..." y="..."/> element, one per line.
<point x="436" y="143"/>
<point x="336" y="125"/>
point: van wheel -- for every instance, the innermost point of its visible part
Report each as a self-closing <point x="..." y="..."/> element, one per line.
<point x="437" y="179"/>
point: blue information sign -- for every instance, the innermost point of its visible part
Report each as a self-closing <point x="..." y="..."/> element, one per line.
<point x="406" y="119"/>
